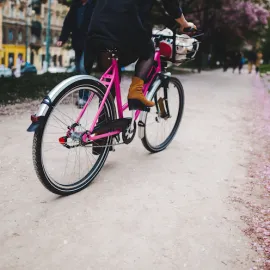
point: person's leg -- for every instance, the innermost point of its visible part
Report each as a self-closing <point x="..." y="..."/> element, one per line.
<point x="136" y="98"/>
<point x="95" y="51"/>
<point x="240" y="67"/>
<point x="82" y="68"/>
<point x="225" y="67"/>
<point x="83" y="95"/>
<point x="249" y="67"/>
<point x="144" y="65"/>
<point x="252" y="65"/>
<point x="98" y="49"/>
<point x="257" y="69"/>
<point x="89" y="57"/>
<point x="79" y="62"/>
<point x="78" y="54"/>
<point x="104" y="62"/>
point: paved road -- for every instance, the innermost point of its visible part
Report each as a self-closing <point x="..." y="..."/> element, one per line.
<point x="165" y="211"/>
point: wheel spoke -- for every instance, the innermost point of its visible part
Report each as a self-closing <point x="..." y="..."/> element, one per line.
<point x="65" y="129"/>
<point x="65" y="168"/>
<point x="90" y="162"/>
<point x="66" y="164"/>
<point x="159" y="134"/>
<point x="60" y="121"/>
<point x="50" y="149"/>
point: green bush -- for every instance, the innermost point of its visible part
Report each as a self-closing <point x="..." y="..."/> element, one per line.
<point x="29" y="87"/>
<point x="14" y="90"/>
<point x="264" y="68"/>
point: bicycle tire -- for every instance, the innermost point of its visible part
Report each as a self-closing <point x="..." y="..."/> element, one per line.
<point x="165" y="144"/>
<point x="37" y="143"/>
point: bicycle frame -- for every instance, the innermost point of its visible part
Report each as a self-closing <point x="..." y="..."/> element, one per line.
<point x="110" y="78"/>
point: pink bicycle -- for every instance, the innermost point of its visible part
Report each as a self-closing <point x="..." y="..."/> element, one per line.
<point x="65" y="136"/>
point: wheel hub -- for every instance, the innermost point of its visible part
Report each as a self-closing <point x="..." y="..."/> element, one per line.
<point x="75" y="139"/>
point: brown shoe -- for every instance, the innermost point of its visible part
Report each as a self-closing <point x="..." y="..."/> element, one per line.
<point x="136" y="98"/>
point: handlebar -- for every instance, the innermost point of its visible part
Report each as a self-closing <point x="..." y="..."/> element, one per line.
<point x="185" y="30"/>
<point x="162" y="37"/>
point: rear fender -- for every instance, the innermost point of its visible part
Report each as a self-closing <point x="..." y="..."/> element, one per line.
<point x="46" y="104"/>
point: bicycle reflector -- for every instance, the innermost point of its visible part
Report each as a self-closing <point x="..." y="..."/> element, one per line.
<point x="34" y="118"/>
<point x="63" y="140"/>
<point x="37" y="121"/>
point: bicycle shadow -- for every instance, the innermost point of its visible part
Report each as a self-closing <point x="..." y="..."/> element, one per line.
<point x="108" y="168"/>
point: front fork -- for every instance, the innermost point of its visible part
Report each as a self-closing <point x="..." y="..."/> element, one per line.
<point x="165" y="83"/>
<point x="162" y="104"/>
<point x="163" y="79"/>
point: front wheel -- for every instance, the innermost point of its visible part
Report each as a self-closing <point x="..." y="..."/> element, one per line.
<point x="163" y="121"/>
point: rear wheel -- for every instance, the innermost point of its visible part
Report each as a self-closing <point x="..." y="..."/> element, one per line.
<point x="67" y="170"/>
<point x="163" y="121"/>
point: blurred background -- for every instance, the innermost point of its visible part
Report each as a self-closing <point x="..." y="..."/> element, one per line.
<point x="26" y="33"/>
<point x="230" y="27"/>
<point x="29" y="29"/>
<point x="234" y="30"/>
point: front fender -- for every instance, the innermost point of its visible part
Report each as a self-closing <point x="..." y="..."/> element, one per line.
<point x="150" y="95"/>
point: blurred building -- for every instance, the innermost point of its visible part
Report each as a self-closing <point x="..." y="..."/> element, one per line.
<point x="1" y="31"/>
<point x="24" y="24"/>
<point x="59" y="56"/>
<point x="13" y="32"/>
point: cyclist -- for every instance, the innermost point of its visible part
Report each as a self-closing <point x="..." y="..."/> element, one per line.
<point x="124" y="25"/>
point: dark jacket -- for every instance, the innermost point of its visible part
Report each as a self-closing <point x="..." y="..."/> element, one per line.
<point x="252" y="56"/>
<point x="78" y="35"/>
<point x="125" y="22"/>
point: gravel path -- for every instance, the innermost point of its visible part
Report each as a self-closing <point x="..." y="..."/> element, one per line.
<point x="173" y="210"/>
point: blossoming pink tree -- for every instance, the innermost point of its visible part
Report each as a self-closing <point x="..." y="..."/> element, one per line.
<point x="229" y="23"/>
<point x="244" y="17"/>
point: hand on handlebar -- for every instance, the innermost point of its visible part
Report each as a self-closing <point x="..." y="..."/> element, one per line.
<point x="188" y="27"/>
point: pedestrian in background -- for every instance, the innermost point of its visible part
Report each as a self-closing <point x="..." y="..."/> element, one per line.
<point x="236" y="59"/>
<point x="259" y="61"/>
<point x="252" y="57"/>
<point x="242" y="62"/>
<point x="226" y="61"/>
<point x="19" y="63"/>
<point x="76" y="24"/>
<point x="10" y="62"/>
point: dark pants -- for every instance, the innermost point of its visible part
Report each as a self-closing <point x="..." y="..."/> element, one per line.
<point x="98" y="50"/>
<point x="235" y="65"/>
<point x="79" y="64"/>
